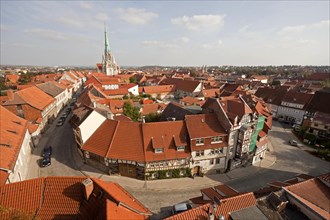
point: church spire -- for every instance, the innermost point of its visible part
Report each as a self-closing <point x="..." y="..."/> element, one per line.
<point x="106" y="41"/>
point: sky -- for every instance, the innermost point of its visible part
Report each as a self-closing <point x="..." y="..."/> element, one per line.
<point x="165" y="33"/>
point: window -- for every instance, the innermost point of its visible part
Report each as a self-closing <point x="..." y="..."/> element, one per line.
<point x="180" y="148"/>
<point x="215" y="140"/>
<point x="211" y="162"/>
<point x="159" y="150"/>
<point x="217" y="160"/>
<point x="219" y="151"/>
<point x="199" y="153"/>
<point x="199" y="141"/>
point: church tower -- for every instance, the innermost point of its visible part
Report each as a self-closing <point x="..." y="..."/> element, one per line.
<point x="109" y="66"/>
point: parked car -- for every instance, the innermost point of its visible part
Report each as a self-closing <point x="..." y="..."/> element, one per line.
<point x="60" y="122"/>
<point x="68" y="110"/>
<point x="47" y="151"/>
<point x="46" y="161"/>
<point x="293" y="143"/>
<point x="181" y="207"/>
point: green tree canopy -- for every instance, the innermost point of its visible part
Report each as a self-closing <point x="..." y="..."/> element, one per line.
<point x="132" y="112"/>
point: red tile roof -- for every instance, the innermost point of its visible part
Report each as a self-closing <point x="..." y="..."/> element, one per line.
<point x="12" y="78"/>
<point x="166" y="135"/>
<point x="204" y="125"/>
<point x="63" y="198"/>
<point x="119" y="194"/>
<point x="3" y="177"/>
<point x="159" y="89"/>
<point x="12" y="134"/>
<point x="297" y="98"/>
<point x="35" y="97"/>
<point x="152" y="108"/>
<point x="210" y="93"/>
<point x="183" y="85"/>
<point x="235" y="106"/>
<point x="21" y="197"/>
<point x="117" y="143"/>
<point x="226" y="206"/>
<point x="188" y="100"/>
<point x="312" y="193"/>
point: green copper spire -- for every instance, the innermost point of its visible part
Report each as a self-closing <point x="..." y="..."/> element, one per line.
<point x="106" y="41"/>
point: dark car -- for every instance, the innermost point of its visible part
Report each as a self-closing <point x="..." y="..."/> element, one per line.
<point x="46" y="161"/>
<point x="60" y="122"/>
<point x="47" y="151"/>
<point x="68" y="110"/>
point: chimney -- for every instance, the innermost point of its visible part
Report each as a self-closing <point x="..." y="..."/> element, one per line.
<point x="10" y="94"/>
<point x="143" y="119"/>
<point x="210" y="214"/>
<point x="109" y="115"/>
<point x="88" y="188"/>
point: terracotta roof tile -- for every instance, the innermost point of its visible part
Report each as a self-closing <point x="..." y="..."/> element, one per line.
<point x="99" y="142"/>
<point x="29" y="193"/>
<point x="204" y="125"/>
<point x="119" y="194"/>
<point x="166" y="135"/>
<point x="3" y="177"/>
<point x="314" y="194"/>
<point x="118" y="212"/>
<point x="12" y="133"/>
<point x="226" y="191"/>
<point x="62" y="197"/>
<point x="183" y="85"/>
<point x="235" y="106"/>
<point x="226" y="206"/>
<point x="127" y="146"/>
<point x="35" y="97"/>
<point x="12" y="78"/>
<point x="153" y="108"/>
<point x="159" y="89"/>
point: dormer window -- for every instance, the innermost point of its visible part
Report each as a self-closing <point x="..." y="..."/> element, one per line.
<point x="199" y="141"/>
<point x="159" y="150"/>
<point x="180" y="148"/>
<point x="216" y="140"/>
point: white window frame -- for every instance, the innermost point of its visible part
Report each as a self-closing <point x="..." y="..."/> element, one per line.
<point x="180" y="148"/>
<point x="159" y="150"/>
<point x="216" y="140"/>
<point x="199" y="141"/>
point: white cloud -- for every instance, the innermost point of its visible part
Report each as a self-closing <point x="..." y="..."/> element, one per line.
<point x="86" y="5"/>
<point x="136" y="16"/>
<point x="166" y="44"/>
<point x="213" y="45"/>
<point x="200" y="22"/>
<point x="46" y="33"/>
<point x="304" y="27"/>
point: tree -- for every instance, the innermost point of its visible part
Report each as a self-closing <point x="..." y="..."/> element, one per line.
<point x="132" y="79"/>
<point x="132" y="112"/>
<point x="153" y="117"/>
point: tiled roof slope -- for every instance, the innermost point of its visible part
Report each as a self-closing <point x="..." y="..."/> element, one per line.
<point x="36" y="97"/>
<point x="99" y="142"/>
<point x="51" y="88"/>
<point x="272" y="96"/>
<point x="3" y="177"/>
<point x="127" y="143"/>
<point x="183" y="85"/>
<point x="12" y="133"/>
<point x="297" y="98"/>
<point x="117" y="139"/>
<point x="159" y="89"/>
<point x="314" y="194"/>
<point x="235" y="106"/>
<point x="119" y="194"/>
<point x="166" y="135"/>
<point x="226" y="206"/>
<point x="21" y="197"/>
<point x="204" y="125"/>
<point x="319" y="102"/>
<point x="63" y="198"/>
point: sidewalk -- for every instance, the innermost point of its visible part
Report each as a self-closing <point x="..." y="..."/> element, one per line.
<point x="178" y="183"/>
